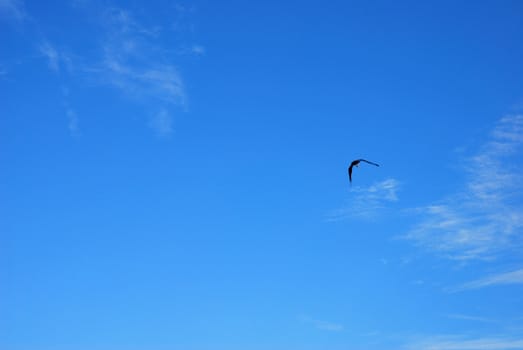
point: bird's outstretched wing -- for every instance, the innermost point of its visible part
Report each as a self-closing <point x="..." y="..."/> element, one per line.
<point x="350" y="173"/>
<point x="366" y="161"/>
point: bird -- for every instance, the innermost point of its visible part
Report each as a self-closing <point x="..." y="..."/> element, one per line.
<point x="356" y="163"/>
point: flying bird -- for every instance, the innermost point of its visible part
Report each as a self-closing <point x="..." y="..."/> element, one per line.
<point x="356" y="164"/>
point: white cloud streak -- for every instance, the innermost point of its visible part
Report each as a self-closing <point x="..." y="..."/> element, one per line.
<point x="51" y="55"/>
<point x="73" y="121"/>
<point x="56" y="60"/>
<point x="161" y="82"/>
<point x="512" y="277"/>
<point x="486" y="217"/>
<point x="161" y="123"/>
<point x="134" y="63"/>
<point x="129" y="57"/>
<point x="461" y="343"/>
<point x="72" y="117"/>
<point x="322" y="325"/>
<point x="366" y="202"/>
<point x="469" y="318"/>
<point x="13" y="9"/>
<point x="195" y="49"/>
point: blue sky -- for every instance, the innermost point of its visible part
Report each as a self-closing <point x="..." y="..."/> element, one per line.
<point x="174" y="175"/>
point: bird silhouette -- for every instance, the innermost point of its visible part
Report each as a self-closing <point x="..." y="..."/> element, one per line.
<point x="356" y="164"/>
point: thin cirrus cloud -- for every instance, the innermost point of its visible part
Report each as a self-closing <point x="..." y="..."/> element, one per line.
<point x="13" y="9"/>
<point x="506" y="278"/>
<point x="50" y="54"/>
<point x="321" y="325"/>
<point x="130" y="57"/>
<point x="485" y="218"/>
<point x="57" y="60"/>
<point x="133" y="61"/>
<point x="367" y="202"/>
<point x="73" y="123"/>
<point x="72" y="117"/>
<point x="470" y="318"/>
<point x="195" y="49"/>
<point x="161" y="82"/>
<point x="161" y="123"/>
<point x="462" y="343"/>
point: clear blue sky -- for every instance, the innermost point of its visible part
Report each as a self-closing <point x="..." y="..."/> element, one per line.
<point x="174" y="175"/>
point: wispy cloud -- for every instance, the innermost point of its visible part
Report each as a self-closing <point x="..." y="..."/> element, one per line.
<point x="50" y="54"/>
<point x="122" y="21"/>
<point x="13" y="9"/>
<point x="73" y="122"/>
<point x="135" y="63"/>
<point x="322" y="325"/>
<point x="161" y="123"/>
<point x="463" y="343"/>
<point x="486" y="217"/>
<point x="469" y="318"/>
<point x="56" y="60"/>
<point x="366" y="202"/>
<point x="195" y="49"/>
<point x="512" y="277"/>
<point x="159" y="82"/>
<point x="126" y="53"/>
